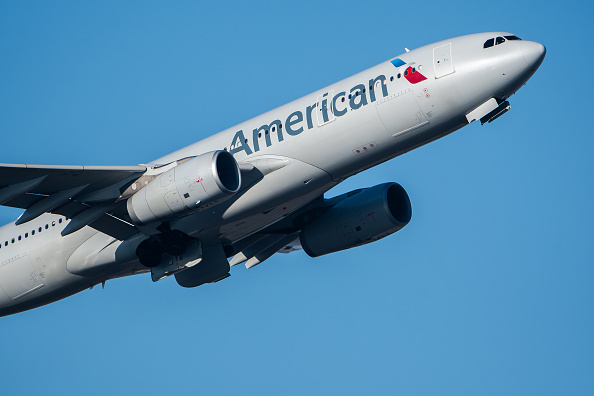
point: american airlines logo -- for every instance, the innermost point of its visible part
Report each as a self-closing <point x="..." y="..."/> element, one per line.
<point x="411" y="73"/>
<point x="326" y="109"/>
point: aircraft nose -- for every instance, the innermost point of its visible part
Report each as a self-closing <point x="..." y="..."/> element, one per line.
<point x="534" y="53"/>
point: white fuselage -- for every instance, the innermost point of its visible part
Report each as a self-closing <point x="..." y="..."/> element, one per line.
<point x="312" y="143"/>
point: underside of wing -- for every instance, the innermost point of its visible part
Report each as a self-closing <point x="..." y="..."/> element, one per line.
<point x="260" y="247"/>
<point x="86" y="194"/>
<point x="281" y="237"/>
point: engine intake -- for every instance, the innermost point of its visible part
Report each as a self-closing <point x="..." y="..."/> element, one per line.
<point x="365" y="217"/>
<point x="192" y="185"/>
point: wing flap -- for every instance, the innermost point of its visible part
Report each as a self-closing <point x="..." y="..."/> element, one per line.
<point x="259" y="248"/>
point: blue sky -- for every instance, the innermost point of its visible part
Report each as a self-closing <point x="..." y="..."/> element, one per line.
<point x="489" y="290"/>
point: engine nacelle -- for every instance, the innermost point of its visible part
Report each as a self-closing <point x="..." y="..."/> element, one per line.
<point x="365" y="217"/>
<point x="194" y="184"/>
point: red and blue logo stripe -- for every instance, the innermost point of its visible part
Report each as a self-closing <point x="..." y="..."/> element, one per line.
<point x="411" y="74"/>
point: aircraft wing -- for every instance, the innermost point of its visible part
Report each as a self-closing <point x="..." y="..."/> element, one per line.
<point x="282" y="236"/>
<point x="86" y="194"/>
<point x="292" y="246"/>
<point x="260" y="247"/>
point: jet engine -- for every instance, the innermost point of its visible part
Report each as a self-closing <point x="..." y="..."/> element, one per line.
<point x="194" y="184"/>
<point x="365" y="217"/>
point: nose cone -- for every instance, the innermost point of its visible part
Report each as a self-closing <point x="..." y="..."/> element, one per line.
<point x="534" y="53"/>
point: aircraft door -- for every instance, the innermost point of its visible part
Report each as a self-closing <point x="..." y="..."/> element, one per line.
<point x="442" y="60"/>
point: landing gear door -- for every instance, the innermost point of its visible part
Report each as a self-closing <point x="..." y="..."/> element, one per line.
<point x="442" y="60"/>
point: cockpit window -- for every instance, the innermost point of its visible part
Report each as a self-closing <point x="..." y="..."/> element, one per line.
<point x="499" y="40"/>
<point x="489" y="43"/>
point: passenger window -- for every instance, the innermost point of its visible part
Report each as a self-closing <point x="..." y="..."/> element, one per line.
<point x="46" y="226"/>
<point x="19" y="237"/>
<point x="511" y="38"/>
<point x="12" y="240"/>
<point x="5" y="243"/>
<point x="489" y="43"/>
<point x="499" y="40"/>
<point x="33" y="232"/>
<point x="39" y="229"/>
<point x="26" y="235"/>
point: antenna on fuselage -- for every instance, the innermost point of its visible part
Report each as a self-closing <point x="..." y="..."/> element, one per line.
<point x="406" y="49"/>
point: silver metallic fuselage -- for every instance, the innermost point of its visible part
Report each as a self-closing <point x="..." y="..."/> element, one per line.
<point x="400" y="116"/>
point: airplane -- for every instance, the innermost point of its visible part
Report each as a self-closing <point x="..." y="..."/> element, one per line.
<point x="255" y="189"/>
